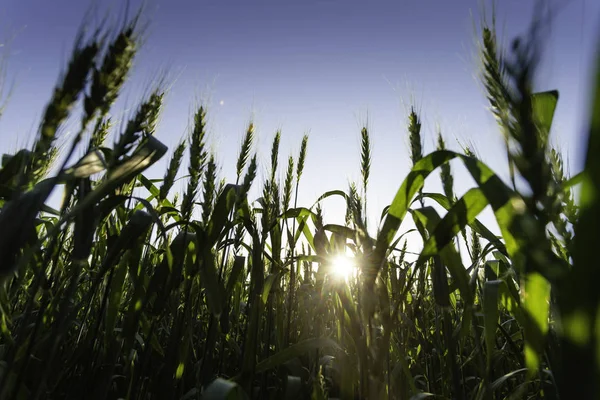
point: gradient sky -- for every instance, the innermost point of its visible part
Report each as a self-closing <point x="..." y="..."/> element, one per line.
<point x="310" y="66"/>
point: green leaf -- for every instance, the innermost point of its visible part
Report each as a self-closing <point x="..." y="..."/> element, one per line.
<point x="543" y="107"/>
<point x="430" y="218"/>
<point x="422" y="395"/>
<point x="462" y="213"/>
<point x="147" y="153"/>
<point x="221" y="389"/>
<point x="490" y="317"/>
<point x="502" y="199"/>
<point x="399" y="206"/>
<point x="236" y="271"/>
<point x="17" y="222"/>
<point x="208" y="273"/>
<point x="14" y="166"/>
<point x="296" y="350"/>
<point x="220" y="214"/>
<point x="292" y="388"/>
<point x="476" y="225"/>
<point x="574" y="180"/>
<point x="114" y="299"/>
<point x="535" y="299"/>
<point x="90" y="164"/>
<point x="154" y="191"/>
<point x="136" y="227"/>
<point x="85" y="224"/>
<point x="331" y="193"/>
<point x="498" y="382"/>
<point x="269" y="283"/>
<point x="579" y="297"/>
<point x="344" y="231"/>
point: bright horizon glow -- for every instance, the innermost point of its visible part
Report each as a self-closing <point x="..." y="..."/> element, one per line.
<point x="343" y="266"/>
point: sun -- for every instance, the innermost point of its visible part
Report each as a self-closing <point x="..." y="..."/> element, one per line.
<point x="343" y="266"/>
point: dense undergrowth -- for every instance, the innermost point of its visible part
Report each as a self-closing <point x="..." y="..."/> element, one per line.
<point x="209" y="294"/>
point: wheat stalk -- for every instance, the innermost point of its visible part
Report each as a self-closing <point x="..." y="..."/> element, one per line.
<point x="197" y="161"/>
<point x="172" y="170"/>
<point x="245" y="150"/>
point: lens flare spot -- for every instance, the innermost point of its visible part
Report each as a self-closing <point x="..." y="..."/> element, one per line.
<point x="343" y="266"/>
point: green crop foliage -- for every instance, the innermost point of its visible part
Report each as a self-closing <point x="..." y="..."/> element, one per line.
<point x="129" y="291"/>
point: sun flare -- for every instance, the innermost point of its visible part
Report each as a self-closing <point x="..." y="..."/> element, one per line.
<point x="343" y="266"/>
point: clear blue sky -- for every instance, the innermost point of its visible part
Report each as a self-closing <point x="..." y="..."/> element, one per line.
<point x="310" y="66"/>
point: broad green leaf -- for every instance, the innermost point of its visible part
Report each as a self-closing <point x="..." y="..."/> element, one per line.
<point x="579" y="297"/>
<point x="13" y="166"/>
<point x="208" y="273"/>
<point x="90" y="164"/>
<point x="348" y="233"/>
<point x="154" y="191"/>
<point x="85" y="224"/>
<point x="535" y="298"/>
<point x="399" y="206"/>
<point x="431" y="220"/>
<point x="221" y="389"/>
<point x="331" y="193"/>
<point x="236" y="271"/>
<point x="476" y="225"/>
<point x="147" y="153"/>
<point x="298" y="213"/>
<point x="223" y="207"/>
<point x="128" y="239"/>
<point x="574" y="180"/>
<point x="490" y="317"/>
<point x="296" y="350"/>
<point x="168" y="273"/>
<point x="303" y="229"/>
<point x="292" y="388"/>
<point x="17" y="219"/>
<point x="270" y="281"/>
<point x="502" y="199"/>
<point x="114" y="299"/>
<point x="422" y="395"/>
<point x="343" y="231"/>
<point x="543" y="106"/>
<point x="136" y="227"/>
<point x="498" y="382"/>
<point x="462" y="213"/>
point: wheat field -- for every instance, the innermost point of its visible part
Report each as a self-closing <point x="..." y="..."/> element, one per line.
<point x="131" y="290"/>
